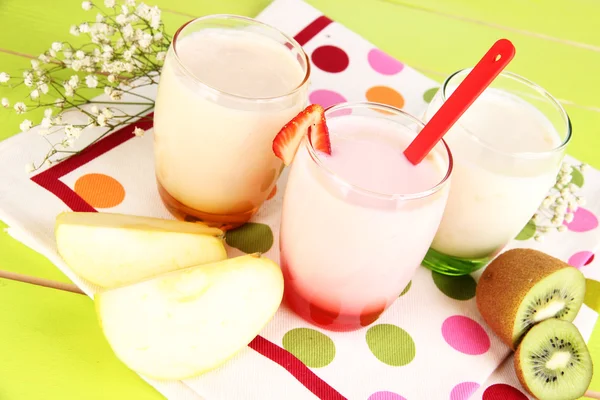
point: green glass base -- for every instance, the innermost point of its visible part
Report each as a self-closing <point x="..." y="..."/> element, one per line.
<point x="453" y="266"/>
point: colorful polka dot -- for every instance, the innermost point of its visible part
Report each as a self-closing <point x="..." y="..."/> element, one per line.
<point x="384" y="63"/>
<point x="581" y="258"/>
<point x="385" y="95"/>
<point x="99" y="190"/>
<point x="465" y="335"/>
<point x="429" y="94"/>
<point x="502" y="391"/>
<point x="583" y="221"/>
<point x="385" y="395"/>
<point x="592" y="294"/>
<point x="391" y="344"/>
<point x="527" y="232"/>
<point x="251" y="237"/>
<point x="330" y="59"/>
<point x="406" y="289"/>
<point x="463" y="391"/>
<point x="326" y="98"/>
<point x="455" y="287"/>
<point x="577" y="177"/>
<point x="312" y="347"/>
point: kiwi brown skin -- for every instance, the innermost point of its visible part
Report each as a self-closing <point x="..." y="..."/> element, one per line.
<point x="504" y="284"/>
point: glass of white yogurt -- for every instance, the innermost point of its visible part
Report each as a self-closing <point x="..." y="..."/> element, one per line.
<point x="507" y="149"/>
<point x="228" y="85"/>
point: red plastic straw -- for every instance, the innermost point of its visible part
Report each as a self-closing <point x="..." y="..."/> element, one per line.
<point x="480" y="77"/>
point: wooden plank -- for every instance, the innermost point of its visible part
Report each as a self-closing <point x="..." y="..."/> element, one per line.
<point x="53" y="349"/>
<point x="573" y="21"/>
<point x="438" y="43"/>
<point x="18" y="258"/>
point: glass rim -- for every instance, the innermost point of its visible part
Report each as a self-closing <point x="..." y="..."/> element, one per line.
<point x="248" y="20"/>
<point x="386" y="196"/>
<point x="532" y="85"/>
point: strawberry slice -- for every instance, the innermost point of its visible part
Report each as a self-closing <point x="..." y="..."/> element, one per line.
<point x="310" y="121"/>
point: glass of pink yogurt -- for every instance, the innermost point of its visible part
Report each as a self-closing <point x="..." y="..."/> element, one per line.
<point x="356" y="224"/>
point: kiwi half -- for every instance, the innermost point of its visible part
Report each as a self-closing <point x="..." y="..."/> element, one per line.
<point x="523" y="287"/>
<point x="553" y="362"/>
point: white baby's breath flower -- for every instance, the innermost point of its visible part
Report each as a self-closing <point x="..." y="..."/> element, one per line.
<point x="91" y="81"/>
<point x="67" y="54"/>
<point x="111" y="78"/>
<point x="561" y="228"/>
<point x="116" y="95"/>
<point x="57" y="120"/>
<point x="29" y="168"/>
<point x="57" y="46"/>
<point x="109" y="3"/>
<point x="74" y="30"/>
<point x="101" y="120"/>
<point x="124" y="9"/>
<point x="44" y="88"/>
<point x="108" y="90"/>
<point x="86" y="5"/>
<point x="569" y="217"/>
<point x="34" y="94"/>
<point x="59" y="103"/>
<point x="72" y="131"/>
<point x="130" y="3"/>
<point x="119" y="43"/>
<point x="127" y="32"/>
<point x="84" y="27"/>
<point x="5" y="102"/>
<point x="74" y="81"/>
<point x="79" y="54"/>
<point x="138" y="131"/>
<point x="127" y="54"/>
<point x="107" y="113"/>
<point x="28" y="80"/>
<point x="4" y="77"/>
<point x="52" y="53"/>
<point x="20" y="107"/>
<point x="94" y="110"/>
<point x="69" y="92"/>
<point x="158" y="36"/>
<point x="99" y="17"/>
<point x="48" y="112"/>
<point x="121" y="19"/>
<point x="161" y="55"/>
<point x="26" y="125"/>
<point x="76" y="65"/>
<point x="35" y="64"/>
<point x="46" y="123"/>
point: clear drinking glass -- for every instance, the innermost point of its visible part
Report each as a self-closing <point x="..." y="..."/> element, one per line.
<point x="507" y="148"/>
<point x="228" y="85"/>
<point x="347" y="252"/>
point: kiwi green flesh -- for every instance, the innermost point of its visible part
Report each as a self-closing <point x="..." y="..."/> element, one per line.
<point x="558" y="295"/>
<point x="555" y="361"/>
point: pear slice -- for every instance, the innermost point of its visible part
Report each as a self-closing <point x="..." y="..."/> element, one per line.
<point x="186" y="322"/>
<point x="115" y="249"/>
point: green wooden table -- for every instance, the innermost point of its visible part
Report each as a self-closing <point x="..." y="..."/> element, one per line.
<point x="50" y="343"/>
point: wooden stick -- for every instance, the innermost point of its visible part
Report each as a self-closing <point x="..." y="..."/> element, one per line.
<point x="592" y="394"/>
<point x="69" y="287"/>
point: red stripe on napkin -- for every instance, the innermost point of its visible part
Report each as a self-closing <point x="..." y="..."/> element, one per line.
<point x="312" y="30"/>
<point x="301" y="372"/>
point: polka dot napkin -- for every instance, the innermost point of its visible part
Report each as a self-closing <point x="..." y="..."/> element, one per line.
<point x="431" y="344"/>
